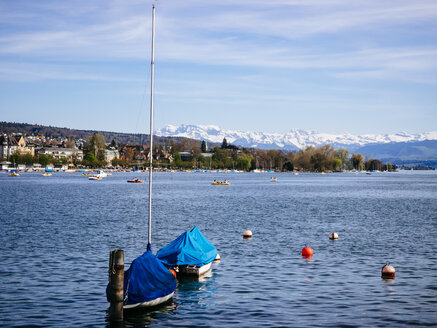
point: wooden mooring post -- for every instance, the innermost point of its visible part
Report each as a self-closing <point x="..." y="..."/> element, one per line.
<point x="116" y="277"/>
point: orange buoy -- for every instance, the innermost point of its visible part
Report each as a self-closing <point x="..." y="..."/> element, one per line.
<point x="173" y="271"/>
<point x="388" y="271"/>
<point x="247" y="234"/>
<point x="333" y="235"/>
<point x="307" y="252"/>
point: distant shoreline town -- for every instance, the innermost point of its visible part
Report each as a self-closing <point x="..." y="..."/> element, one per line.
<point x="22" y="151"/>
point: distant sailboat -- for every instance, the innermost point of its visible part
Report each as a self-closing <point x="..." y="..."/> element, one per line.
<point x="148" y="282"/>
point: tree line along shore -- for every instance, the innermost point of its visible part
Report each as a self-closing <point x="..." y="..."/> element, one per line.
<point x="95" y="152"/>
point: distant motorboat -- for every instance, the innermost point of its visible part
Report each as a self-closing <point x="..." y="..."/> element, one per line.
<point x="101" y="174"/>
<point x="295" y="173"/>
<point x="135" y="181"/>
<point x="46" y="174"/>
<point x="94" y="177"/>
<point x="273" y="179"/>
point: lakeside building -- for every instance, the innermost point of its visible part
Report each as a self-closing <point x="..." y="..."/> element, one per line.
<point x="186" y="155"/>
<point x="110" y="155"/>
<point x="59" y="153"/>
<point x="5" y="165"/>
<point x="14" y="143"/>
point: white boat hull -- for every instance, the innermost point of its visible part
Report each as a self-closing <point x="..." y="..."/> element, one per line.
<point x="191" y="270"/>
<point x="151" y="303"/>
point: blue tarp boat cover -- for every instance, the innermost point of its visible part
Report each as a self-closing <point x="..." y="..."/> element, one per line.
<point x="191" y="247"/>
<point x="147" y="279"/>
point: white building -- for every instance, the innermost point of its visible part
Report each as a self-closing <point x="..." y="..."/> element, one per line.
<point x="111" y="154"/>
<point x="58" y="153"/>
<point x="10" y="144"/>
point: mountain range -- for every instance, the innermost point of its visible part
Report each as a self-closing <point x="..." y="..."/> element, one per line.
<point x="398" y="146"/>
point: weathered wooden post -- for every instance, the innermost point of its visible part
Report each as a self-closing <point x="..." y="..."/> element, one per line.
<point x="116" y="277"/>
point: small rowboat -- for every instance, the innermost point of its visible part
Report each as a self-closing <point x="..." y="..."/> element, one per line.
<point x="94" y="178"/>
<point x="135" y="181"/>
<point x="46" y="174"/>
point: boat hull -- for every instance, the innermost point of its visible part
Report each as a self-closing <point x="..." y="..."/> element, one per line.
<point x="148" y="304"/>
<point x="194" y="271"/>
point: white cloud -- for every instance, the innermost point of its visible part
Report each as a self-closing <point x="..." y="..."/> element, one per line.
<point x="255" y="33"/>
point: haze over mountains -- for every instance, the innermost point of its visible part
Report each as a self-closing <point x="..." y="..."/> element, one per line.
<point x="401" y="146"/>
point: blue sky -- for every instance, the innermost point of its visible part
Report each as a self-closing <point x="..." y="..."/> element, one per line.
<point x="335" y="66"/>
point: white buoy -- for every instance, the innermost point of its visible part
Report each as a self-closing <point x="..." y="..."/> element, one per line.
<point x="388" y="271"/>
<point x="247" y="234"/>
<point x="333" y="235"/>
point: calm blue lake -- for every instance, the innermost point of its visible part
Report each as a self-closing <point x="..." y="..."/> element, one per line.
<point x="56" y="234"/>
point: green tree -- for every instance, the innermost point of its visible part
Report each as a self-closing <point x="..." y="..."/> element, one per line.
<point x="75" y="159"/>
<point x="357" y="161"/>
<point x="374" y="165"/>
<point x="244" y="162"/>
<point x="224" y="144"/>
<point x="288" y="166"/>
<point x="337" y="164"/>
<point x="389" y="167"/>
<point x="96" y="145"/>
<point x="318" y="161"/>
<point x="221" y="158"/>
<point x="203" y="146"/>
<point x="90" y="160"/>
<point x="45" y="159"/>
<point x="342" y="154"/>
<point x="177" y="160"/>
<point x="70" y="143"/>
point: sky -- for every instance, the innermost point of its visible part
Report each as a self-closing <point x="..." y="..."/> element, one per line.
<point x="334" y="66"/>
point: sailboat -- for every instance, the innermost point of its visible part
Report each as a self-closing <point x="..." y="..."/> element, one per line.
<point x="148" y="282"/>
<point x="191" y="254"/>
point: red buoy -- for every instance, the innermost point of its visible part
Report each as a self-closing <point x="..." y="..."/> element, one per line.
<point x="307" y="252"/>
<point x="388" y="271"/>
<point x="173" y="271"/>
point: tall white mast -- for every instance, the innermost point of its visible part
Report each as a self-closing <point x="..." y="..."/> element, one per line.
<point x="151" y="127"/>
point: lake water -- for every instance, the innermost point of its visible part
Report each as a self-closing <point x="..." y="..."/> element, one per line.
<point x="56" y="234"/>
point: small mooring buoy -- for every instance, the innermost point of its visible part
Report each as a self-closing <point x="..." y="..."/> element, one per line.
<point x="173" y="271"/>
<point x="247" y="234"/>
<point x="307" y="252"/>
<point x="333" y="235"/>
<point x="388" y="271"/>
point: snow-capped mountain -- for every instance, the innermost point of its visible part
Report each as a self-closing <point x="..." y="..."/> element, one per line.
<point x="293" y="140"/>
